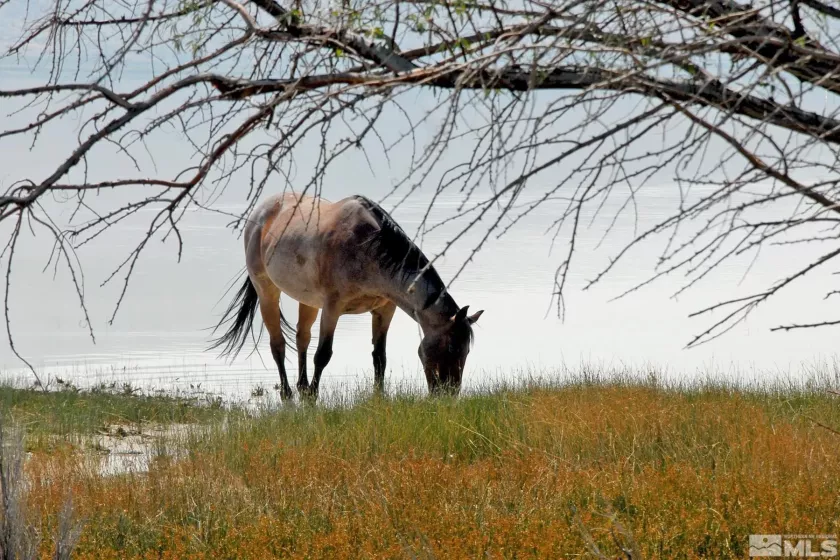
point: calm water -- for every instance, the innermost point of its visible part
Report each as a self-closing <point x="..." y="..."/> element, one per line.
<point x="160" y="332"/>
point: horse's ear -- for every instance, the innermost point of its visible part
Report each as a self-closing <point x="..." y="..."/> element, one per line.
<point x="461" y="315"/>
<point x="474" y="317"/>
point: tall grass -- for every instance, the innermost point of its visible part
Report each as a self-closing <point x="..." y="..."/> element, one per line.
<point x="599" y="466"/>
<point x="17" y="538"/>
<point x="19" y="525"/>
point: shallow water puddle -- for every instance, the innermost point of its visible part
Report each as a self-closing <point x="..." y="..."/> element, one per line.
<point x="122" y="448"/>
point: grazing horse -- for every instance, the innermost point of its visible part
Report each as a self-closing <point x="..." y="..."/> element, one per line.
<point x="343" y="257"/>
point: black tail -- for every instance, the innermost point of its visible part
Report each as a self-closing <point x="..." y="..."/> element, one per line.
<point x="241" y="312"/>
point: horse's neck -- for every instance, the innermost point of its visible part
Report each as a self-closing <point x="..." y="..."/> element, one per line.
<point x="437" y="314"/>
<point x="413" y="301"/>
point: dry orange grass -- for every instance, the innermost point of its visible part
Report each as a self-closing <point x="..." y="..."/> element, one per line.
<point x="530" y="474"/>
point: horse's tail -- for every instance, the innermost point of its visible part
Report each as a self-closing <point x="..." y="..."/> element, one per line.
<point x="240" y="313"/>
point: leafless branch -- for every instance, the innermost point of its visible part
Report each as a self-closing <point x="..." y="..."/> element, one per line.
<point x="583" y="104"/>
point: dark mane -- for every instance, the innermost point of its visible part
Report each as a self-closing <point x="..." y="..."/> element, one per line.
<point x="398" y="255"/>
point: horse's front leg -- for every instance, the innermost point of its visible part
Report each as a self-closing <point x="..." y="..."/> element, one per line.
<point x="329" y="320"/>
<point x="381" y="322"/>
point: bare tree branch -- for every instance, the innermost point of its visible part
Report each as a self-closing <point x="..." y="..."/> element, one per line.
<point x="582" y="104"/>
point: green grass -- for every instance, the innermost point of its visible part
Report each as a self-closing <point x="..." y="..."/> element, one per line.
<point x="538" y="469"/>
<point x="483" y="425"/>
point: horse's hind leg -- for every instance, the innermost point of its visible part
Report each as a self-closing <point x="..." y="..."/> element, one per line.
<point x="329" y="320"/>
<point x="306" y="318"/>
<point x="381" y="322"/>
<point x="270" y="310"/>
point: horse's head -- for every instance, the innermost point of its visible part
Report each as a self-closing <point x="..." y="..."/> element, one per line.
<point x="443" y="351"/>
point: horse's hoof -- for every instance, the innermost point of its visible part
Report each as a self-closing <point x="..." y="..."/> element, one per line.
<point x="308" y="395"/>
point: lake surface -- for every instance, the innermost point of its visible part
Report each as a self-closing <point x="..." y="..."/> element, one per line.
<point x="160" y="333"/>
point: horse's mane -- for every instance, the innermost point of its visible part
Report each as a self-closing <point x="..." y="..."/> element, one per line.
<point x="397" y="254"/>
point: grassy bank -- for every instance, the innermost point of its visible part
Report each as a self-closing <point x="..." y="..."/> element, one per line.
<point x="533" y="472"/>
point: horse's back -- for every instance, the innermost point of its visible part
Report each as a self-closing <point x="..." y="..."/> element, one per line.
<point x="309" y="247"/>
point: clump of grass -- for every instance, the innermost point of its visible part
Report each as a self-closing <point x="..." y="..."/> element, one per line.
<point x="258" y="391"/>
<point x="19" y="534"/>
<point x="17" y="537"/>
<point x="68" y="531"/>
<point x="593" y="465"/>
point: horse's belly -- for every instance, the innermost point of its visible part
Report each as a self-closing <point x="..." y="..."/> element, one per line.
<point x="363" y="304"/>
<point x="303" y="295"/>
